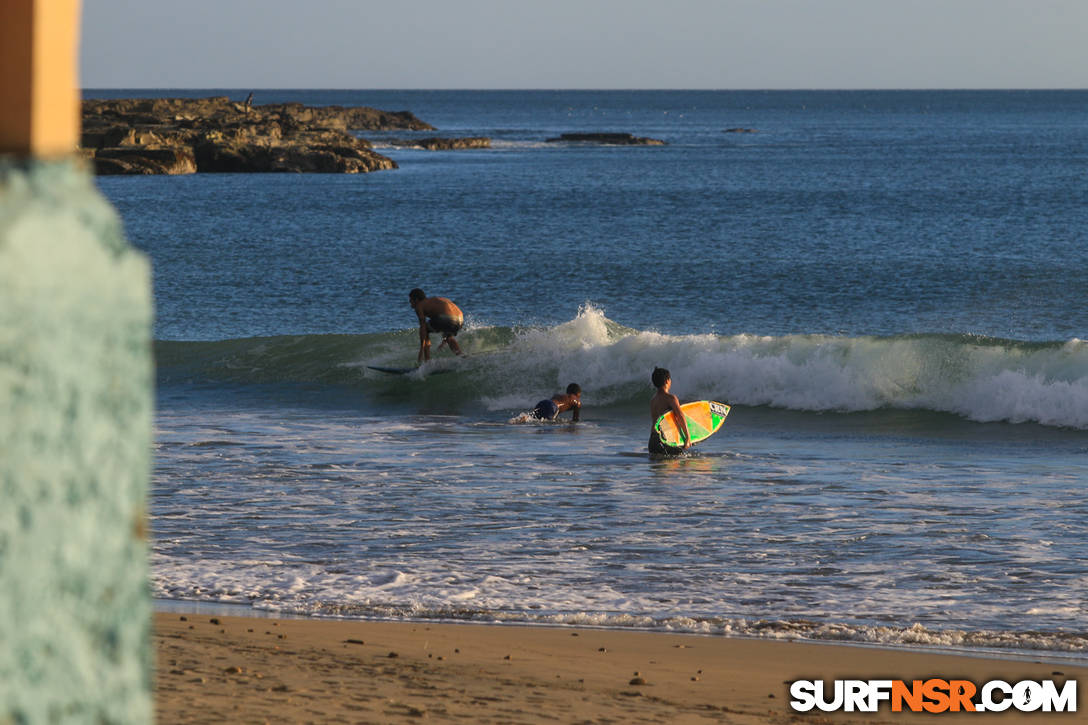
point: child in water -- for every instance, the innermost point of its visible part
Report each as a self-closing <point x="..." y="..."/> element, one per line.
<point x="550" y="408"/>
<point x="662" y="402"/>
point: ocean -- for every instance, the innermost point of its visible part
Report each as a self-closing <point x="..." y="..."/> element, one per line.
<point x="889" y="287"/>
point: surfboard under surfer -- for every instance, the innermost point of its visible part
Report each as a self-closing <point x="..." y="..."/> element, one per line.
<point x="662" y="403"/>
<point x="550" y="408"/>
<point x="436" y="314"/>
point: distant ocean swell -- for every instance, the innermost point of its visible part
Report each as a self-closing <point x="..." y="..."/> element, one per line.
<point x="977" y="378"/>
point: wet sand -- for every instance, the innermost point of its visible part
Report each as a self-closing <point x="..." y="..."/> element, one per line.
<point x="216" y="669"/>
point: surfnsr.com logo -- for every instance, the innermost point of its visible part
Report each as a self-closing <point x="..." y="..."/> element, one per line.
<point x="934" y="696"/>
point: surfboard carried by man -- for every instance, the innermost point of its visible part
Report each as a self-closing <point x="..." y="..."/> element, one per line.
<point x="436" y="314"/>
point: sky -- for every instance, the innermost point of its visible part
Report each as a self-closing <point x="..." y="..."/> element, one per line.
<point x="690" y="44"/>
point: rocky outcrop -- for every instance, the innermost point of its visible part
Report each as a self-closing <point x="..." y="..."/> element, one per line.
<point x="144" y="160"/>
<point x="434" y="143"/>
<point x="183" y="136"/>
<point x="611" y="139"/>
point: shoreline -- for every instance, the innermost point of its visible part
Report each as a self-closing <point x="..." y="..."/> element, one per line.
<point x="264" y="669"/>
<point x="245" y="611"/>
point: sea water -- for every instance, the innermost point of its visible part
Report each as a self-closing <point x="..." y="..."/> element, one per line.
<point x="888" y="287"/>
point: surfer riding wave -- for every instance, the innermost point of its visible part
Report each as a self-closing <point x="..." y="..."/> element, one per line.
<point x="436" y="314"/>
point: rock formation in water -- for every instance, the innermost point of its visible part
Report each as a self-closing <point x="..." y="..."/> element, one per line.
<point x="611" y="139"/>
<point x="435" y="143"/>
<point x="183" y="136"/>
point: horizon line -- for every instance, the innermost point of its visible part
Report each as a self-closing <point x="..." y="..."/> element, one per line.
<point x="577" y="90"/>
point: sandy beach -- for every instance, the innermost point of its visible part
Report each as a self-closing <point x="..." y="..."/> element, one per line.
<point x="215" y="669"/>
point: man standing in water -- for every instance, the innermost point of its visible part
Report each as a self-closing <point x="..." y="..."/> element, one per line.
<point x="436" y="314"/>
<point x="663" y="402"/>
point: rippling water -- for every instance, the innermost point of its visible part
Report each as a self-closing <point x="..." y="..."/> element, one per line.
<point x="887" y="287"/>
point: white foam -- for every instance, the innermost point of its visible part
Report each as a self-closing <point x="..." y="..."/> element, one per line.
<point x="983" y="381"/>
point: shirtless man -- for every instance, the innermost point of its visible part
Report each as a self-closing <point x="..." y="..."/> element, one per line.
<point x="662" y="402"/>
<point x="559" y="403"/>
<point x="436" y="314"/>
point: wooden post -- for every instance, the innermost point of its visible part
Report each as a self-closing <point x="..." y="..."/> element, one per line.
<point x="39" y="82"/>
<point x="76" y="380"/>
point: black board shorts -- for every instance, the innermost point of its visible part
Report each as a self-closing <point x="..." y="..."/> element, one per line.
<point x="657" y="448"/>
<point x="546" y="410"/>
<point x="448" y="326"/>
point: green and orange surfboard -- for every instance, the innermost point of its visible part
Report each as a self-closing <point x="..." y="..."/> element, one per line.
<point x="704" y="418"/>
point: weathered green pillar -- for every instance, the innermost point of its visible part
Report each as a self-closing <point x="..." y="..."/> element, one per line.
<point x="75" y="439"/>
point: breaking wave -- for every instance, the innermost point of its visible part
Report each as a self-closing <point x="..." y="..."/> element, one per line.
<point x="977" y="378"/>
